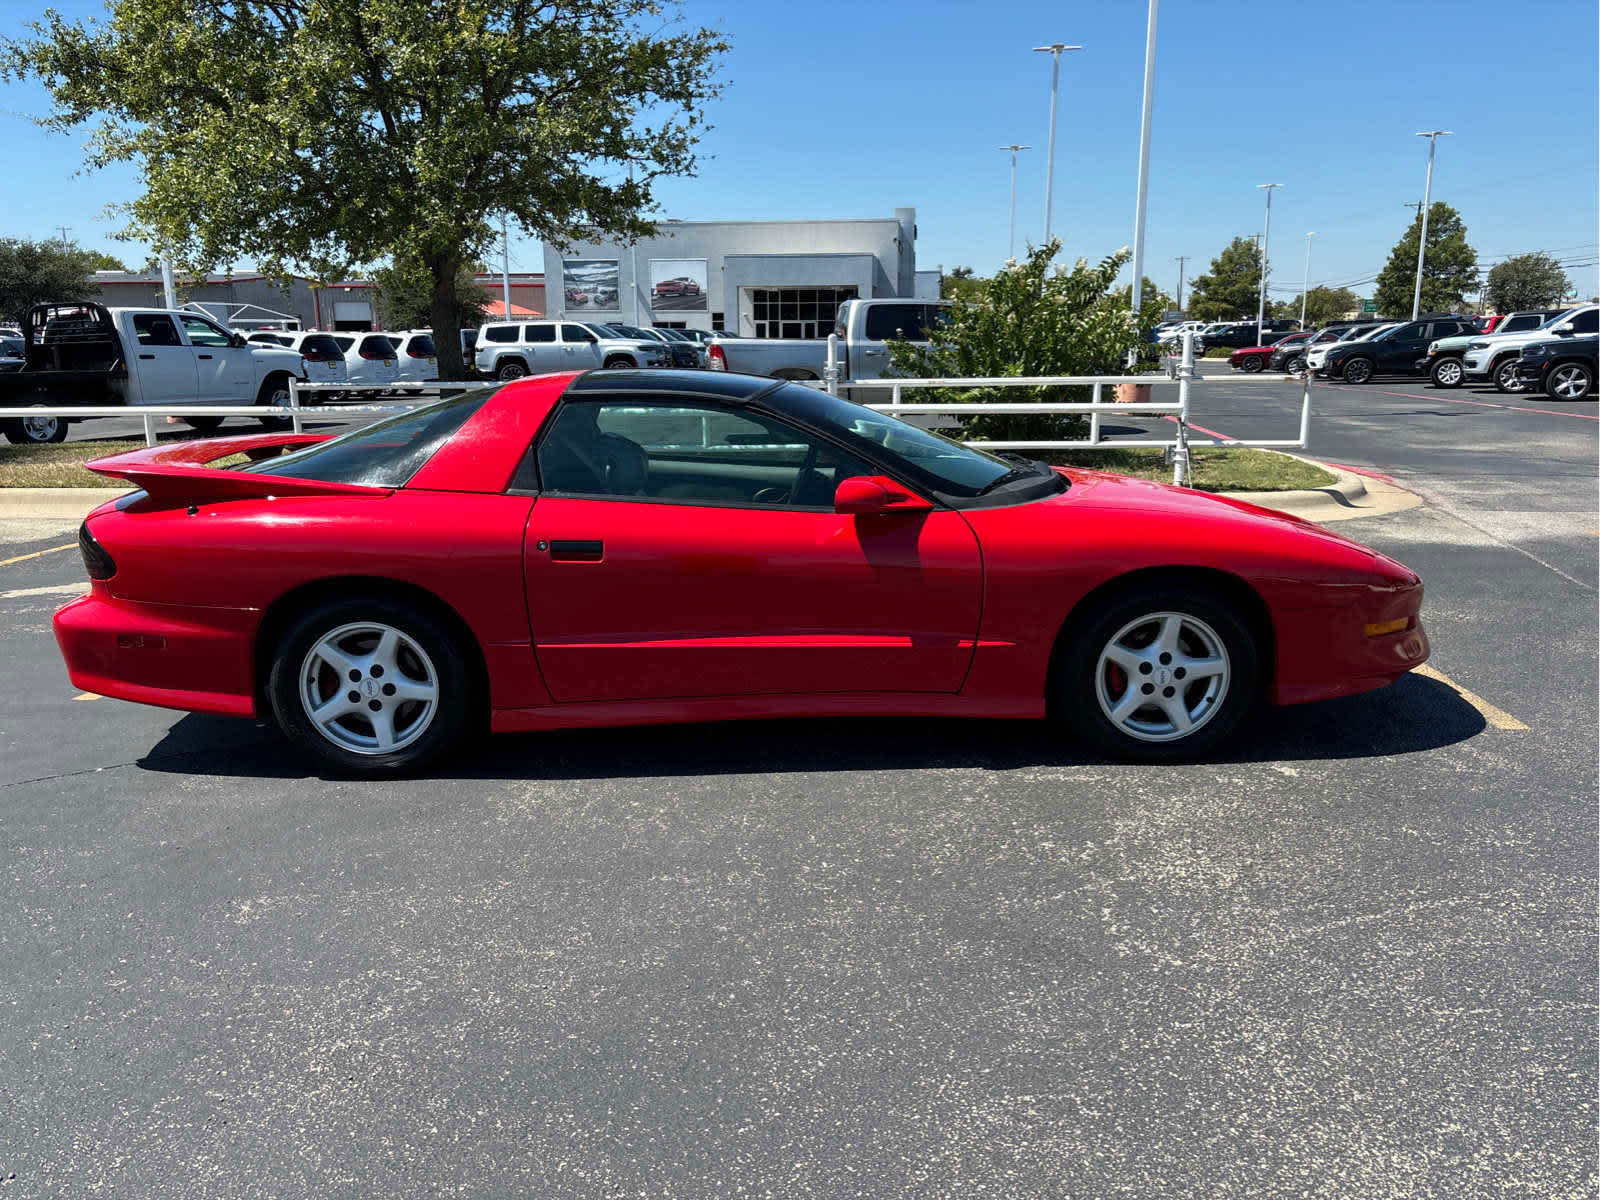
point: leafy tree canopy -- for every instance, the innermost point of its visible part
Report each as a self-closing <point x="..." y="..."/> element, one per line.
<point x="959" y="283"/>
<point x="1525" y="281"/>
<point x="1323" y="304"/>
<point x="1152" y="301"/>
<point x="405" y="295"/>
<point x="1449" y="271"/>
<point x="35" y="272"/>
<point x="1231" y="289"/>
<point x="1031" y="320"/>
<point x="319" y="137"/>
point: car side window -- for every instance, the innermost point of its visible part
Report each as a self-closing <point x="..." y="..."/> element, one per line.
<point x="155" y="329"/>
<point x="576" y="333"/>
<point x="539" y="333"/>
<point x="500" y="333"/>
<point x="203" y="333"/>
<point x="886" y="322"/>
<point x="684" y="454"/>
<point x="1585" y="322"/>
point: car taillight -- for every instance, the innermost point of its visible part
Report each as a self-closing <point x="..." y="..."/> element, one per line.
<point x="316" y="356"/>
<point x="377" y="355"/>
<point x="719" y="358"/>
<point x="418" y="354"/>
<point x="95" y="559"/>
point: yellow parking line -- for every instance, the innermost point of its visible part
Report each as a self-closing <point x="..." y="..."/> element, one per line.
<point x="1499" y="718"/>
<point x="88" y="696"/>
<point x="6" y="562"/>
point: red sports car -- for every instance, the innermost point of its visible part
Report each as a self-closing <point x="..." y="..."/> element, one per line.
<point x="1255" y="358"/>
<point x="614" y="548"/>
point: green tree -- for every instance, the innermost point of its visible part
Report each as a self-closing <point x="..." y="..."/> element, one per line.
<point x="1152" y="301"/>
<point x="959" y="283"/>
<point x="1525" y="281"/>
<point x="320" y="137"/>
<point x="1323" y="304"/>
<point x="1231" y="289"/>
<point x="35" y="272"/>
<point x="405" y="295"/>
<point x="1449" y="271"/>
<point x="1031" y="321"/>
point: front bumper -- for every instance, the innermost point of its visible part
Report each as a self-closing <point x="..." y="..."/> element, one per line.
<point x="1324" y="652"/>
<point x="1533" y="372"/>
<point x="169" y="655"/>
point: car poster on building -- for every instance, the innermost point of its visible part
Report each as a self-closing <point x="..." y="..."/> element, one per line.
<point x="590" y="284"/>
<point x="677" y="284"/>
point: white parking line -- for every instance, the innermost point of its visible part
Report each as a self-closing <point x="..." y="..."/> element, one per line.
<point x="57" y="589"/>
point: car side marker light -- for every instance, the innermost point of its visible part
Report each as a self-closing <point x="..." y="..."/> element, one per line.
<point x="1383" y="627"/>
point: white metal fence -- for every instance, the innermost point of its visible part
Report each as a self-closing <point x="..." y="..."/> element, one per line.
<point x="1180" y="373"/>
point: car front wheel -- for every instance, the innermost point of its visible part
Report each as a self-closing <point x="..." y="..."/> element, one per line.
<point x="1358" y="370"/>
<point x="35" y="431"/>
<point x="1448" y="373"/>
<point x="369" y="686"/>
<point x="1252" y="363"/>
<point x="1160" y="674"/>
<point x="1570" y="381"/>
<point x="1505" y="376"/>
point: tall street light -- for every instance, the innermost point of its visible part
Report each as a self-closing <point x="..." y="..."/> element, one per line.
<point x="1305" y="284"/>
<point x="1433" y="136"/>
<point x="1054" y="50"/>
<point x="1011" y="240"/>
<point x="1137" y="292"/>
<point x="1261" y="308"/>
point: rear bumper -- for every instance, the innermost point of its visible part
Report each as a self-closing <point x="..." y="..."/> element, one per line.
<point x="171" y="656"/>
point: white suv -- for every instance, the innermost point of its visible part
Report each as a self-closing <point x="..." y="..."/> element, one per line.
<point x="510" y="350"/>
<point x="1495" y="356"/>
<point x="368" y="357"/>
<point x="419" y="359"/>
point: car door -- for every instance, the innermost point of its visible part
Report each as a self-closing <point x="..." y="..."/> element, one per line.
<point x="163" y="366"/>
<point x="884" y="323"/>
<point x="223" y="370"/>
<point x="1400" y="350"/>
<point x="691" y="550"/>
<point x="579" y="348"/>
<point x="543" y="349"/>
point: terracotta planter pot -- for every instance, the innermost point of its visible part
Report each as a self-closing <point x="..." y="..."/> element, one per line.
<point x="1133" y="393"/>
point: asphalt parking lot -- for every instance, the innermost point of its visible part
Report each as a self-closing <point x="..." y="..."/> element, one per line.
<point x="1356" y="956"/>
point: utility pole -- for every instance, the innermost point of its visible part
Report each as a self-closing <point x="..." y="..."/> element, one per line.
<point x="1266" y="237"/>
<point x="169" y="289"/>
<point x="1137" y="293"/>
<point x="1433" y="136"/>
<point x="1305" y="285"/>
<point x="1054" y="50"/>
<point x="1180" y="260"/>
<point x="1011" y="241"/>
<point x="505" y="267"/>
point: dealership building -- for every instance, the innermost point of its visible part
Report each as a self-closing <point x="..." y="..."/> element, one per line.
<point x="765" y="279"/>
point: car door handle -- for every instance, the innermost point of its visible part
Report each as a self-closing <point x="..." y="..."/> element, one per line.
<point x="576" y="551"/>
<point x="147" y="356"/>
<point x="202" y="356"/>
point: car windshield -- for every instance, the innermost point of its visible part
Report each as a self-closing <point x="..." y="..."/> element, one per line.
<point x="947" y="468"/>
<point x="385" y="454"/>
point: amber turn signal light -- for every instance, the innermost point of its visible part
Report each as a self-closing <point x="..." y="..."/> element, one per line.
<point x="1383" y="627"/>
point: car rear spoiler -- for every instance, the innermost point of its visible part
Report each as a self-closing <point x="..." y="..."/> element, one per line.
<point x="178" y="473"/>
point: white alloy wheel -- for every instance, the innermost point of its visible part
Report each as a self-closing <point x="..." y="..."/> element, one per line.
<point x="1569" y="382"/>
<point x="369" y="688"/>
<point x="43" y="429"/>
<point x="1162" y="676"/>
<point x="1448" y="372"/>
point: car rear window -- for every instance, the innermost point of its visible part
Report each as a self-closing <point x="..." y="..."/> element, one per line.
<point x="385" y="454"/>
<point x="421" y="346"/>
<point x="376" y="344"/>
<point x="320" y="345"/>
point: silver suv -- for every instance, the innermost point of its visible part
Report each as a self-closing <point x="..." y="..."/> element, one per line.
<point x="510" y="350"/>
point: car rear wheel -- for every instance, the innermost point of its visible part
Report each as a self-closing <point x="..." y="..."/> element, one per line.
<point x="1448" y="373"/>
<point x="1160" y="674"/>
<point x="1570" y="381"/>
<point x="274" y="394"/>
<point x="204" y="424"/>
<point x="1358" y="370"/>
<point x="619" y="362"/>
<point x="35" y="431"/>
<point x="1252" y="363"/>
<point x="511" y="368"/>
<point x="1505" y="375"/>
<point x="369" y="686"/>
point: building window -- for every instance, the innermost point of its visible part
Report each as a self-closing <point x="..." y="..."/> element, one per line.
<point x="716" y="320"/>
<point x="794" y="312"/>
<point x="670" y="324"/>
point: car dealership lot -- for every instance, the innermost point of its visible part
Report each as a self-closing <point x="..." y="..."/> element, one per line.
<point x="1354" y="956"/>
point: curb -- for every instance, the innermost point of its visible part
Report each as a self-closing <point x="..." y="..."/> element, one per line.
<point x="53" y="504"/>
<point x="1348" y="498"/>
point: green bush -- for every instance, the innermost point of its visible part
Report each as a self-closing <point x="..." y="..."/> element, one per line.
<point x="1030" y="321"/>
<point x="1218" y="352"/>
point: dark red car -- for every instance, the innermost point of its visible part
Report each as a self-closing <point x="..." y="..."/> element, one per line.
<point x="1255" y="358"/>
<point x="681" y="286"/>
<point x="615" y="548"/>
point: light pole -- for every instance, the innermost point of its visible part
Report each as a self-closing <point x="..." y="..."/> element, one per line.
<point x="1054" y="50"/>
<point x="1180" y="260"/>
<point x="1305" y="284"/>
<point x="1137" y="292"/>
<point x="1433" y="136"/>
<point x="1011" y="241"/>
<point x="1266" y="235"/>
<point x="505" y="267"/>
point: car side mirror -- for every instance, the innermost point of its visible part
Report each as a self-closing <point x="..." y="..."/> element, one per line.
<point x="237" y="339"/>
<point x="861" y="495"/>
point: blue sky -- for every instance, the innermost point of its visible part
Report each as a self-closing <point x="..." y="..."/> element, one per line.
<point x="837" y="109"/>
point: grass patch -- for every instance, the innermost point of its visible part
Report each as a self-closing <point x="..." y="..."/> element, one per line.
<point x="1211" y="470"/>
<point x="1217" y="352"/>
<point x="61" y="465"/>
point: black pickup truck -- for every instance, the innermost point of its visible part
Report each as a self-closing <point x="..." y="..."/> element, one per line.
<point x="71" y="355"/>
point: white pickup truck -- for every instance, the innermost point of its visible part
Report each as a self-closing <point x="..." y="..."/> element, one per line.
<point x="89" y="355"/>
<point x="864" y="328"/>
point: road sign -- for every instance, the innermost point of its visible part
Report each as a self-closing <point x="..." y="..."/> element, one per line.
<point x="1369" y="306"/>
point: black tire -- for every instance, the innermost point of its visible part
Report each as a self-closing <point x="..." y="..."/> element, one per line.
<point x="442" y="660"/>
<point x="620" y="362"/>
<point x="508" y="369"/>
<point x="1358" y="370"/>
<point x="1253" y="363"/>
<point x="1296" y="364"/>
<point x="1504" y="375"/>
<point x="1569" y="381"/>
<point x="273" y="394"/>
<point x="35" y="431"/>
<point x="204" y="424"/>
<point x="1448" y="372"/>
<point x="1084" y="677"/>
